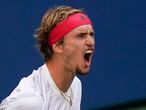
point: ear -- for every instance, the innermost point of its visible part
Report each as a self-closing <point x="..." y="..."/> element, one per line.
<point x="57" y="48"/>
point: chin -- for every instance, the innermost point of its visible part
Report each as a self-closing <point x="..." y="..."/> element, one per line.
<point x="82" y="72"/>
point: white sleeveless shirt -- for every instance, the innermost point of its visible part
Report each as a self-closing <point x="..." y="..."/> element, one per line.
<point x="39" y="92"/>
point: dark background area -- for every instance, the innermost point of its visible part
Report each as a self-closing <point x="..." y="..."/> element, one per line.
<point x="118" y="71"/>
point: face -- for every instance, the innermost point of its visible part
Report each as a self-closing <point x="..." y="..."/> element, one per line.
<point x="78" y="48"/>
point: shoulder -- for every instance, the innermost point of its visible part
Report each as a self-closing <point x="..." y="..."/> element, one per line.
<point x="23" y="103"/>
<point x="26" y="96"/>
<point x="77" y="90"/>
<point x="76" y="84"/>
<point x="77" y="80"/>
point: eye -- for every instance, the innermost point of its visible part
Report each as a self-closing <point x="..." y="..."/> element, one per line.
<point x="81" y="36"/>
<point x="92" y="34"/>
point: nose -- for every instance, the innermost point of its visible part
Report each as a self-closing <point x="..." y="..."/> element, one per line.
<point x="90" y="41"/>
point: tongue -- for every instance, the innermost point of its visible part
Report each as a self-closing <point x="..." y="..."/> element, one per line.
<point x="88" y="62"/>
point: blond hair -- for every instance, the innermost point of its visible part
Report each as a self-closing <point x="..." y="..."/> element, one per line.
<point x="51" y="18"/>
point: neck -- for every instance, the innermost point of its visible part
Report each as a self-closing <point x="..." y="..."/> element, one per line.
<point x="60" y="75"/>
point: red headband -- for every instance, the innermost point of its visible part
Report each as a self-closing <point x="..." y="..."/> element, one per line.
<point x="65" y="26"/>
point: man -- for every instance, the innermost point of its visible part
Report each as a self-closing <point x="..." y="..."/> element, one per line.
<point x="66" y="40"/>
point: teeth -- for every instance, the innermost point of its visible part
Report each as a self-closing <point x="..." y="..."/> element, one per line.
<point x="89" y="51"/>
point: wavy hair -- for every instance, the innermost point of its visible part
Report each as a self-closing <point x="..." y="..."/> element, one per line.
<point x="51" y="18"/>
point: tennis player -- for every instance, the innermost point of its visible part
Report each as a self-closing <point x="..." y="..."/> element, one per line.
<point x="65" y="38"/>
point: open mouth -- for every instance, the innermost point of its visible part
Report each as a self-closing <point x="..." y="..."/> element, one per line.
<point x="88" y="56"/>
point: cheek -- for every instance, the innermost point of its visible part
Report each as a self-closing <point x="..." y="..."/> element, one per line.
<point x="72" y="52"/>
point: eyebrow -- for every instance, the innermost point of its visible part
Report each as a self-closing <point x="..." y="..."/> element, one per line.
<point x="85" y="33"/>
